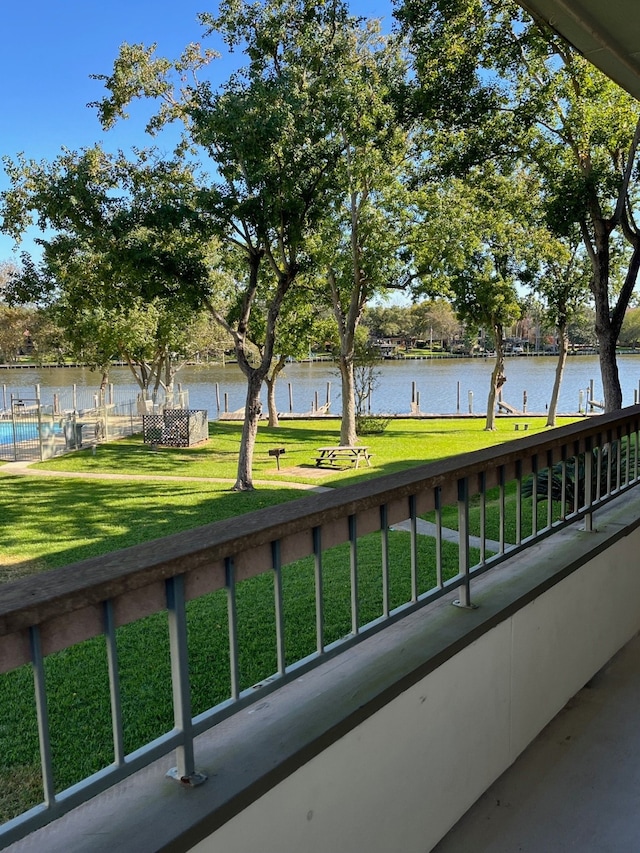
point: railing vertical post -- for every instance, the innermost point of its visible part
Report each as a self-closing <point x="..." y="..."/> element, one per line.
<point x="518" y="502"/>
<point x="464" y="590"/>
<point x="317" y="555"/>
<point x="563" y="485"/>
<point x="232" y="619"/>
<point x="184" y="771"/>
<point x="438" y="504"/>
<point x="534" y="502"/>
<point x="42" y="715"/>
<point x="114" y="683"/>
<point x="353" y="565"/>
<point x="598" y="472"/>
<point x="588" y="485"/>
<point x="413" y="519"/>
<point x="384" y="531"/>
<point x="576" y="478"/>
<point x="502" y="504"/>
<point x="278" y="600"/>
<point x="549" y="489"/>
<point x="482" y="488"/>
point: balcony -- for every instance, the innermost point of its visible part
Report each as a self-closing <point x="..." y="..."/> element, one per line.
<point x="398" y="715"/>
<point x="576" y="786"/>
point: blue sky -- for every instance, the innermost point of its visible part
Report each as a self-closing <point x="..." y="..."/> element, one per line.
<point x="49" y="51"/>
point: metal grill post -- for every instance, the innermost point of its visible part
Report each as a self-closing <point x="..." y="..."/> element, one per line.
<point x="42" y="715"/>
<point x="232" y="618"/>
<point x="317" y="556"/>
<point x="502" y="502"/>
<point x="413" y="519"/>
<point x="437" y="496"/>
<point x="384" y="531"/>
<point x="588" y="486"/>
<point x="519" y="502"/>
<point x="534" y="502"/>
<point x="353" y="563"/>
<point x="464" y="590"/>
<point x="184" y="771"/>
<point x="482" y="489"/>
<point x="114" y="683"/>
<point x="278" y="603"/>
<point x="549" y="489"/>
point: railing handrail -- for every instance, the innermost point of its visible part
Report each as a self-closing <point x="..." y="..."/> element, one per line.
<point x="33" y="600"/>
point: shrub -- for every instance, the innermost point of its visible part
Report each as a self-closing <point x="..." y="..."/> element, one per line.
<point x="370" y="425"/>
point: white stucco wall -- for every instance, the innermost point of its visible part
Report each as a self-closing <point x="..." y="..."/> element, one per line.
<point x="402" y="778"/>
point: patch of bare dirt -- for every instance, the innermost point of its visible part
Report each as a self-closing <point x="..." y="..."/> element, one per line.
<point x="303" y="471"/>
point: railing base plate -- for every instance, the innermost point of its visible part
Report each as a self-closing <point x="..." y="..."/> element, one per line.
<point x="458" y="603"/>
<point x="191" y="781"/>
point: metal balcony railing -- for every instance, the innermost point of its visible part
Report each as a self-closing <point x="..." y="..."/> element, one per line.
<point x="113" y="662"/>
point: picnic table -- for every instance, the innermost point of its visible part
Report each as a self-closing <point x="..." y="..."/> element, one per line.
<point x="334" y="455"/>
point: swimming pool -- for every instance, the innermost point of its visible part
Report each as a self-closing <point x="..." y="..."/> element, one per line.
<point x="24" y="431"/>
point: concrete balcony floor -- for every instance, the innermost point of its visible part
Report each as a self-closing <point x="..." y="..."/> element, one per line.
<point x="577" y="786"/>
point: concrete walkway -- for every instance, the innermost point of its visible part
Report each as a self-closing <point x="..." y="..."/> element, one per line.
<point x="428" y="528"/>
<point x="24" y="469"/>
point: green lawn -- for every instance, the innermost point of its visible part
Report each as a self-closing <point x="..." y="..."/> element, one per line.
<point x="404" y="443"/>
<point x="49" y="521"/>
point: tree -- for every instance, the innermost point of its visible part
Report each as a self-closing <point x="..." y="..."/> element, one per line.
<point x="581" y="327"/>
<point x="481" y="254"/>
<point x="366" y="377"/>
<point x="14" y="321"/>
<point x="501" y="86"/>
<point x="563" y="284"/>
<point x="630" y="332"/>
<point x="387" y="321"/>
<point x="14" y="328"/>
<point x="486" y="296"/>
<point x="434" y="320"/>
<point x="122" y="240"/>
<point x="363" y="236"/>
<point x="271" y="135"/>
<point x="296" y="325"/>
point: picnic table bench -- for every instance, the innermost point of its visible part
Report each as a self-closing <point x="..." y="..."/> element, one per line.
<point x="333" y="455"/>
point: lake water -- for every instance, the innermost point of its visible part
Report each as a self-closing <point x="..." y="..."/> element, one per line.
<point x="442" y="385"/>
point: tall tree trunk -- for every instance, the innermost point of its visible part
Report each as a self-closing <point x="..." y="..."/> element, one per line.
<point x="497" y="378"/>
<point x="271" y="390"/>
<point x="348" y="433"/>
<point x="607" y="340"/>
<point x="253" y="410"/>
<point x="609" y="319"/>
<point x="563" y="340"/>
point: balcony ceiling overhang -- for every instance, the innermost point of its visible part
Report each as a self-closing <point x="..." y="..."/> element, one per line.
<point x="605" y="33"/>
